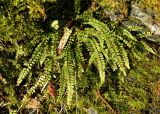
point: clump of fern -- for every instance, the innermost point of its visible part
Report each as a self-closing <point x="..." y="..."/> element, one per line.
<point x="104" y="45"/>
<point x="69" y="52"/>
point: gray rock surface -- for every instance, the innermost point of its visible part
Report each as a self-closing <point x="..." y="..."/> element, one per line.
<point x="146" y="19"/>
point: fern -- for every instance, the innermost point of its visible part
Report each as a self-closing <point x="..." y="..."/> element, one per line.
<point x="35" y="58"/>
<point x="146" y="47"/>
<point x="79" y="50"/>
<point x="68" y="74"/>
<point x="77" y="6"/>
<point x="80" y="60"/>
<point x="71" y="75"/>
<point x="119" y="60"/>
<point x="104" y="45"/>
<point x="43" y="79"/>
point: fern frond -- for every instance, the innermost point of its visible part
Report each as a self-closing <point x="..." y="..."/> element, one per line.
<point x="116" y="56"/>
<point x="144" y="34"/>
<point x="44" y="55"/>
<point x="80" y="60"/>
<point x="137" y="54"/>
<point x="147" y="48"/>
<point x="116" y="52"/>
<point x="134" y="28"/>
<point x="53" y="44"/>
<point x="99" y="26"/>
<point x="63" y="81"/>
<point x="125" y="32"/>
<point x="128" y="43"/>
<point x="43" y="79"/>
<point x="68" y="75"/>
<point x="39" y="55"/>
<point x="95" y="54"/>
<point x="131" y="27"/>
<point x="99" y="61"/>
<point x="124" y="56"/>
<point x="35" y="58"/>
<point x="77" y="6"/>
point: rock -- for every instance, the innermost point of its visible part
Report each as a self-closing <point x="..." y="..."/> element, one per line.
<point x="146" y="19"/>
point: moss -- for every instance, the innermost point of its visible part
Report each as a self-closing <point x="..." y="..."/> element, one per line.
<point x="103" y="66"/>
<point x="152" y="7"/>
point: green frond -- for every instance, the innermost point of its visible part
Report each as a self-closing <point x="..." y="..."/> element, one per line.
<point x="121" y="65"/>
<point x="39" y="55"/>
<point x="137" y="54"/>
<point x="71" y="77"/>
<point x="69" y="84"/>
<point x="144" y="34"/>
<point x="125" y="32"/>
<point x="96" y="34"/>
<point x="116" y="53"/>
<point x="68" y="74"/>
<point x="53" y="44"/>
<point x="117" y="56"/>
<point x="96" y="57"/>
<point x="124" y="56"/>
<point x="100" y="62"/>
<point x="43" y="79"/>
<point x="80" y="60"/>
<point x="128" y="43"/>
<point x="147" y="48"/>
<point x="44" y="55"/>
<point x="92" y="58"/>
<point x="109" y="36"/>
<point x="35" y="57"/>
<point x="63" y="81"/>
<point x="99" y="26"/>
<point x="77" y="6"/>
<point x="122" y="53"/>
<point x="111" y="52"/>
<point x="134" y="28"/>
